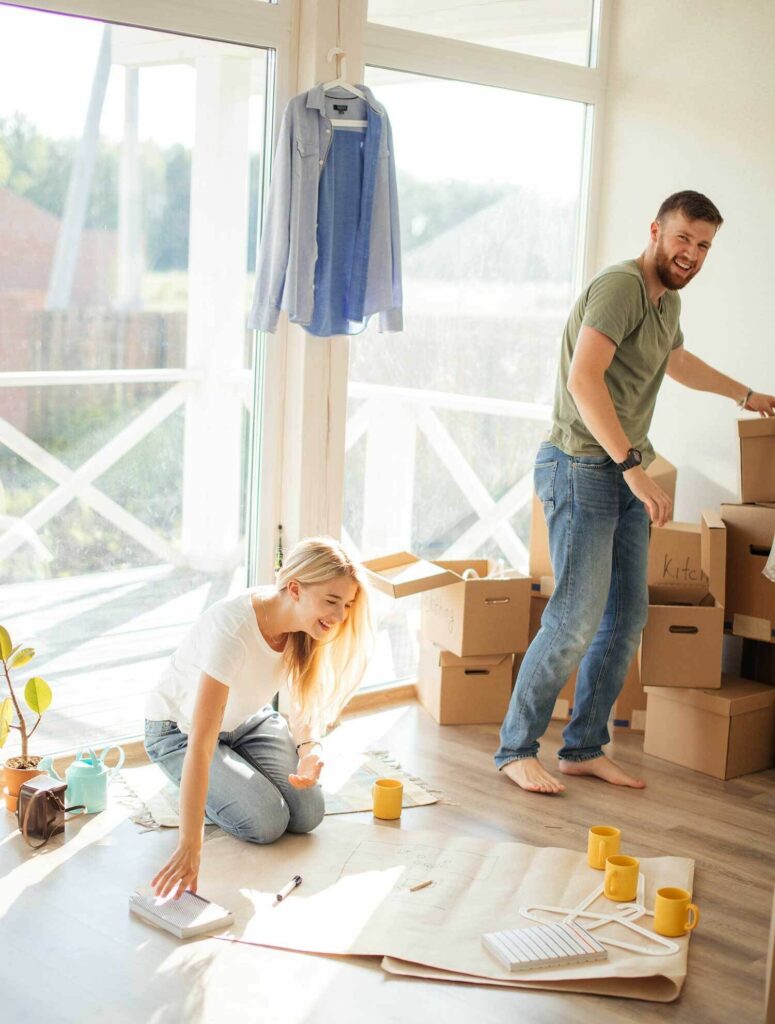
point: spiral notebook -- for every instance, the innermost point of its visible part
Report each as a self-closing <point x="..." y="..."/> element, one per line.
<point x="545" y="945"/>
<point x="190" y="915"/>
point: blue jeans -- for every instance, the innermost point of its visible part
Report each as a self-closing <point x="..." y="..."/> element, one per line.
<point x="598" y="541"/>
<point x="249" y="794"/>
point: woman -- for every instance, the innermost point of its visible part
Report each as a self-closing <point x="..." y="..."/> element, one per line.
<point x="210" y="725"/>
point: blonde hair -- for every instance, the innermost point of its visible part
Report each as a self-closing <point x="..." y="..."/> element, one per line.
<point x="323" y="674"/>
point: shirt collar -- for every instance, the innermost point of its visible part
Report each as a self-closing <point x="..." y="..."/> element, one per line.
<point x="316" y="99"/>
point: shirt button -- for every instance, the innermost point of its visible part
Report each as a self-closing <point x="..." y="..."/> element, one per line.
<point x="320" y="162"/>
<point x="328" y="131"/>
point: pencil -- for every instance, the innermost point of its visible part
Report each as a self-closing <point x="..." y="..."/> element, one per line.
<point x="420" y="885"/>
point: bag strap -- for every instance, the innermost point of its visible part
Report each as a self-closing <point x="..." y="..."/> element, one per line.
<point x="60" y="804"/>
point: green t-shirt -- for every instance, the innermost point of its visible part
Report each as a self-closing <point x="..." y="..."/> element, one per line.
<point x="616" y="303"/>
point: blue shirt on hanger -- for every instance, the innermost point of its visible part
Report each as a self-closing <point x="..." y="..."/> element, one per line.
<point x="330" y="249"/>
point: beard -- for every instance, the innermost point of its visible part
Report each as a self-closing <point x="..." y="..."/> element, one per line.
<point x="669" y="277"/>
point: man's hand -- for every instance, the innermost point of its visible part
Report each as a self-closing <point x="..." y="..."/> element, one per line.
<point x="180" y="872"/>
<point x="761" y="403"/>
<point x="307" y="771"/>
<point x="658" y="504"/>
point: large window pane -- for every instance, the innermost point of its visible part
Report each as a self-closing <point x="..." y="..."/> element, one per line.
<point x="130" y="164"/>
<point x="555" y="29"/>
<point x="444" y="419"/>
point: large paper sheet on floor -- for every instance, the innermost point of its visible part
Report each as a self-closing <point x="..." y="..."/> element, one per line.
<point x="356" y="899"/>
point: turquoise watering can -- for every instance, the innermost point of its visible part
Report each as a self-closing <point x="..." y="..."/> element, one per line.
<point x="86" y="778"/>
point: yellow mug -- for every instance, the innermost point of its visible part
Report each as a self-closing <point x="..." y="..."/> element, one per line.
<point x="674" y="913"/>
<point x="387" y="796"/>
<point x="621" y="878"/>
<point x="602" y="842"/>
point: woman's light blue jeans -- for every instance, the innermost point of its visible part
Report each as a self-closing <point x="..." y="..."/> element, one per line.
<point x="598" y="541"/>
<point x="249" y="794"/>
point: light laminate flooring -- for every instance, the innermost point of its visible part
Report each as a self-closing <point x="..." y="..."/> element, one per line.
<point x="72" y="953"/>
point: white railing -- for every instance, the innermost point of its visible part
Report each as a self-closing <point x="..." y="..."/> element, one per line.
<point x="391" y="417"/>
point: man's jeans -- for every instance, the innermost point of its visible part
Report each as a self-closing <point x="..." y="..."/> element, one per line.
<point x="249" y="794"/>
<point x="598" y="540"/>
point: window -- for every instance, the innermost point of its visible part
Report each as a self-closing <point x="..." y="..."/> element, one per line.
<point x="556" y="29"/>
<point x="444" y="418"/>
<point x="130" y="170"/>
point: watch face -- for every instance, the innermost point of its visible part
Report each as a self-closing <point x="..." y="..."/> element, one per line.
<point x="636" y="456"/>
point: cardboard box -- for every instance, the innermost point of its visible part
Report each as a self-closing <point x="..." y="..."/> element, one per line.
<point x="402" y="573"/>
<point x="724" y="733"/>
<point x="660" y="470"/>
<point x="757" y="459"/>
<point x="464" y="691"/>
<point x="749" y="610"/>
<point x="629" y="711"/>
<point x="478" y="616"/>
<point x="683" y="639"/>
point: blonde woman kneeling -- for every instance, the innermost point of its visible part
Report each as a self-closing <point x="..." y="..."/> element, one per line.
<point x="210" y="725"/>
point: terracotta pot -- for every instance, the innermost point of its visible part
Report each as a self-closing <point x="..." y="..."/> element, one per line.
<point x="14" y="780"/>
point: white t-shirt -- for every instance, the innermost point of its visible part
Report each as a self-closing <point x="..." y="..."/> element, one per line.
<point x="226" y="643"/>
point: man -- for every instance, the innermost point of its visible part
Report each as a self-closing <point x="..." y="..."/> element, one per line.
<point x="622" y="335"/>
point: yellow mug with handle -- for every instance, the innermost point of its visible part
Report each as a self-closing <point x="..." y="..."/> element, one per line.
<point x="621" y="878"/>
<point x="387" y="797"/>
<point x="674" y="912"/>
<point x="602" y="842"/>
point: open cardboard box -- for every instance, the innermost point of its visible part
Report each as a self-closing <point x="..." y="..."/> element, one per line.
<point x="402" y="574"/>
<point x="683" y="638"/>
<point x="481" y="616"/>
<point x="660" y="470"/>
<point x="757" y="459"/>
<point x="724" y="732"/>
<point x="750" y="599"/>
<point x="463" y="691"/>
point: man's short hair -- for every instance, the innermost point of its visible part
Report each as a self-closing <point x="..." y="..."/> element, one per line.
<point x="693" y="205"/>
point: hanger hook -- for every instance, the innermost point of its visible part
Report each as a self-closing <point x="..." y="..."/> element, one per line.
<point x="338" y="53"/>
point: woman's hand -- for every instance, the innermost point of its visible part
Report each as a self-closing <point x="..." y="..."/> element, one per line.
<point x="180" y="872"/>
<point x="307" y="771"/>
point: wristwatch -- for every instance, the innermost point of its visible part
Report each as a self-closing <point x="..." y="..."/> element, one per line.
<point x="634" y="458"/>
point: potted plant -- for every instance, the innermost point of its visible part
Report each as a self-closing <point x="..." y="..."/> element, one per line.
<point x="37" y="696"/>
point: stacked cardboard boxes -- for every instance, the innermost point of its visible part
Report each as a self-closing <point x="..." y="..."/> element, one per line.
<point x="474" y="619"/>
<point x="721" y="725"/>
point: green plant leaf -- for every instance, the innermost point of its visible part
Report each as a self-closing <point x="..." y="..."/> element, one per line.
<point x="5" y="643"/>
<point x="22" y="657"/>
<point x="3" y="731"/>
<point x="38" y="694"/>
<point x="6" y="710"/>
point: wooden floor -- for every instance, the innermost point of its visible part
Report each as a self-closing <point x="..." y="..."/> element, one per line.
<point x="72" y="953"/>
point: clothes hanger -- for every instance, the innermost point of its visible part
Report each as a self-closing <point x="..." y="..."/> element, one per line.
<point x="341" y="83"/>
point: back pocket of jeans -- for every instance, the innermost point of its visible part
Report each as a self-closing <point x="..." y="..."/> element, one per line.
<point x="544" y="474"/>
<point x="595" y="488"/>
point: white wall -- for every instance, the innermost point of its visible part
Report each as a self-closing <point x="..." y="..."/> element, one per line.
<point x="691" y="104"/>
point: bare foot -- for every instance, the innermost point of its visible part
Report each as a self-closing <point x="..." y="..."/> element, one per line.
<point x="602" y="768"/>
<point x="530" y="774"/>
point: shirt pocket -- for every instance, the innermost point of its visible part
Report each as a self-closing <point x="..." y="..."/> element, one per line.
<point x="307" y="158"/>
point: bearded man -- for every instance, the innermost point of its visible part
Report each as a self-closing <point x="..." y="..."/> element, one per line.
<point x="621" y="337"/>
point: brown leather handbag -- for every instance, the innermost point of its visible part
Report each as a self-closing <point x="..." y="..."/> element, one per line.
<point x="41" y="809"/>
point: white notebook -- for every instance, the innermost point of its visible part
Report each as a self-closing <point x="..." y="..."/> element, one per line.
<point x="545" y="945"/>
<point x="190" y="915"/>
